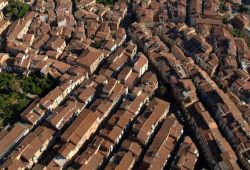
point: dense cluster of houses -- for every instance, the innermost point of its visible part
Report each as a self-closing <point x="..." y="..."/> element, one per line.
<point x="185" y="91"/>
<point x="208" y="71"/>
<point x="104" y="113"/>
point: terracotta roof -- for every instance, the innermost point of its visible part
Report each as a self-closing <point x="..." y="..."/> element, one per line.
<point x="127" y="161"/>
<point x="11" y="137"/>
<point x="80" y="126"/>
<point x="86" y="93"/>
<point x="141" y="62"/>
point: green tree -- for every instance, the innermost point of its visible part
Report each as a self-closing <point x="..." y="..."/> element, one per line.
<point x="223" y="6"/>
<point x="105" y="2"/>
<point x="16" y="9"/>
<point x="24" y="9"/>
<point x="13" y="94"/>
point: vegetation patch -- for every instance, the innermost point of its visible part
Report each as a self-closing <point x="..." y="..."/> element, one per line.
<point x="238" y="33"/>
<point x="106" y="2"/>
<point x="225" y="19"/>
<point x="223" y="8"/>
<point x="16" y="9"/>
<point x="244" y="9"/>
<point x="16" y="93"/>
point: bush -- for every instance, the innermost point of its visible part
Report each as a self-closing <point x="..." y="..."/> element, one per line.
<point x="225" y="20"/>
<point x="237" y="33"/>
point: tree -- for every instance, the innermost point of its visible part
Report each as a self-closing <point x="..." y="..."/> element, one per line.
<point x="25" y="8"/>
<point x="223" y="6"/>
<point x="105" y="2"/>
<point x="16" y="9"/>
<point x="13" y="94"/>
